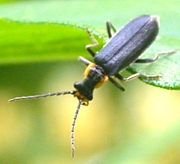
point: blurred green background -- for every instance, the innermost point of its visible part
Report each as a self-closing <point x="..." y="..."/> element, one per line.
<point x="141" y="125"/>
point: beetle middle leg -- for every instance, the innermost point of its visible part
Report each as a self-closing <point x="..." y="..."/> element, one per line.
<point x="113" y="81"/>
<point x="136" y="75"/>
<point x="94" y="44"/>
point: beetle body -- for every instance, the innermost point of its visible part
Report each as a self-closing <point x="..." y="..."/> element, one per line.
<point x="119" y="52"/>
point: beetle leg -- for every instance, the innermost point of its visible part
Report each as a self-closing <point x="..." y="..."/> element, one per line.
<point x="136" y="75"/>
<point x="110" y="28"/>
<point x="84" y="61"/>
<point x="149" y="60"/>
<point x="116" y="83"/>
<point x="94" y="44"/>
<point x="119" y="77"/>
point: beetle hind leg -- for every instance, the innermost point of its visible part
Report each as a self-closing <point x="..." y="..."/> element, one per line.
<point x="110" y="28"/>
<point x="149" y="60"/>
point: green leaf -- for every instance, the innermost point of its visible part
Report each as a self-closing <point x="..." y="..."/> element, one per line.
<point x="27" y="42"/>
<point x="31" y="33"/>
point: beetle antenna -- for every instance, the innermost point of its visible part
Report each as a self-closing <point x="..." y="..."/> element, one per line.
<point x="73" y="127"/>
<point x="42" y="95"/>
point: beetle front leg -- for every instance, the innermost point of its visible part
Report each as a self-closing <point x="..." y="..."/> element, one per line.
<point x="84" y="60"/>
<point x="149" y="60"/>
